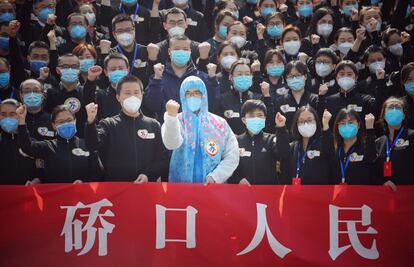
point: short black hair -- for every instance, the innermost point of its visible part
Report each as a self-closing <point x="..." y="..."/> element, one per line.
<point x="180" y="37"/>
<point x="346" y="63"/>
<point x="115" y="55"/>
<point x="128" y="79"/>
<point x="59" y="109"/>
<point x="121" y="18"/>
<point x="174" y="10"/>
<point x="370" y="50"/>
<point x="352" y="114"/>
<point x="251" y="105"/>
<point x="38" y="44"/>
<point x="296" y="64"/>
<point x="327" y="52"/>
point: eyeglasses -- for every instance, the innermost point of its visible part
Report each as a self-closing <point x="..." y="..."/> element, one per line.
<point x="127" y="30"/>
<point x="195" y="93"/>
<point x="69" y="66"/>
<point x="308" y="121"/>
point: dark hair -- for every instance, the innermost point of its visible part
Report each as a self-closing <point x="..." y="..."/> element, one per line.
<point x="37" y="44"/>
<point x="313" y="24"/>
<point x="66" y="55"/>
<point x="77" y="9"/>
<point x="342" y="30"/>
<point x="225" y="44"/>
<point x="237" y="63"/>
<point x="222" y="14"/>
<point x="174" y="10"/>
<point x="343" y="114"/>
<point x="388" y="33"/>
<point x="76" y="14"/>
<point x="290" y="28"/>
<point x="10" y="101"/>
<point x="180" y="37"/>
<point x="128" y="79"/>
<point x="295" y="132"/>
<point x="346" y="63"/>
<point x="121" y="18"/>
<point x="115" y="55"/>
<point x="251" y="105"/>
<point x="365" y="9"/>
<point x="235" y="24"/>
<point x="296" y="64"/>
<point x="405" y="73"/>
<point x="270" y="54"/>
<point x="221" y="5"/>
<point x="391" y="99"/>
<point x="274" y="15"/>
<point x="59" y="109"/>
<point x="370" y="50"/>
<point x="328" y="53"/>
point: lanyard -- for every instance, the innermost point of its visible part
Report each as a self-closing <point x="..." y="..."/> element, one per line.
<point x="301" y="159"/>
<point x="344" y="165"/>
<point x="120" y="50"/>
<point x="136" y="10"/>
<point x="387" y="143"/>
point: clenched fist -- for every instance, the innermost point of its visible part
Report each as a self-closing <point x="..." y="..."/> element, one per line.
<point x="172" y="108"/>
<point x="91" y="111"/>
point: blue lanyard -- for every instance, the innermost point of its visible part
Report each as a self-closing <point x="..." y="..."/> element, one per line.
<point x="135" y="13"/>
<point x="344" y="165"/>
<point x="120" y="50"/>
<point x="387" y="143"/>
<point x="301" y="159"/>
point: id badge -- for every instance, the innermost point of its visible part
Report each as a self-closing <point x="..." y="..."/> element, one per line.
<point x="387" y="168"/>
<point x="296" y="181"/>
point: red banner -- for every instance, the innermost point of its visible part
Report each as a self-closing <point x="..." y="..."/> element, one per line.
<point x="159" y="224"/>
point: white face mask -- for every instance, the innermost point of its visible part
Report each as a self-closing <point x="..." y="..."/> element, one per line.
<point x="344" y="47"/>
<point x="325" y="29"/>
<point x="125" y="39"/>
<point x="238" y="40"/>
<point x="376" y="65"/>
<point x="175" y="31"/>
<point x="227" y="61"/>
<point x="131" y="104"/>
<point x="307" y="130"/>
<point x="396" y="49"/>
<point x="291" y="47"/>
<point x="180" y="2"/>
<point x="346" y="83"/>
<point x="91" y="18"/>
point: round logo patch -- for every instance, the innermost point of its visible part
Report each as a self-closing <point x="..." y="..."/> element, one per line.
<point x="212" y="148"/>
<point x="73" y="104"/>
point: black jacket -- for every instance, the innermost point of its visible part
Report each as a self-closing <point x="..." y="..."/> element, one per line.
<point x="258" y="156"/>
<point x="128" y="147"/>
<point x="40" y="126"/>
<point x="105" y="98"/>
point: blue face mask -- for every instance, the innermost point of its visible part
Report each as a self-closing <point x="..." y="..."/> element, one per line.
<point x="116" y="75"/>
<point x="7" y="17"/>
<point x="267" y="10"/>
<point x="9" y="125"/>
<point x="255" y="125"/>
<point x="408" y="12"/>
<point x="347" y="9"/>
<point x="409" y="88"/>
<point x="4" y="79"/>
<point x="35" y="65"/>
<point x="222" y="31"/>
<point x="394" y="117"/>
<point x="305" y="10"/>
<point x="275" y="71"/>
<point x="296" y="83"/>
<point x="180" y="57"/>
<point x="33" y="100"/>
<point x="66" y="130"/>
<point x="129" y="2"/>
<point x="348" y="131"/>
<point x="251" y="1"/>
<point x="4" y="43"/>
<point x="374" y="2"/>
<point x="274" y="31"/>
<point x="194" y="103"/>
<point x="243" y="83"/>
<point x="77" y="32"/>
<point x="69" y="75"/>
<point x="44" y="13"/>
<point x="86" y="63"/>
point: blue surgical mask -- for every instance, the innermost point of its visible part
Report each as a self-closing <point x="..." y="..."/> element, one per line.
<point x="323" y="69"/>
<point x="267" y="10"/>
<point x="255" y="125"/>
<point x="86" y="63"/>
<point x="347" y="9"/>
<point x="296" y="83"/>
<point x="77" y="32"/>
<point x="274" y="31"/>
<point x="129" y="2"/>
<point x="4" y="79"/>
<point x="242" y="83"/>
<point x="4" y="43"/>
<point x="9" y="125"/>
<point x="66" y="130"/>
<point x="394" y="116"/>
<point x="222" y="31"/>
<point x="69" y="75"/>
<point x="348" y="130"/>
<point x="305" y="10"/>
<point x="7" y="17"/>
<point x="44" y="13"/>
<point x="180" y="57"/>
<point x="33" y="100"/>
<point x="374" y="2"/>
<point x="36" y="65"/>
<point x="275" y="71"/>
<point x="116" y="75"/>
<point x="409" y="88"/>
<point x="194" y="103"/>
<point x="251" y="1"/>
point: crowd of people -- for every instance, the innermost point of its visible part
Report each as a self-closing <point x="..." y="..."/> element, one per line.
<point x="232" y="91"/>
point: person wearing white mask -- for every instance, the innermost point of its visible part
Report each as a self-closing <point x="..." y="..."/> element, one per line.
<point x="292" y="43"/>
<point x="348" y="96"/>
<point x="322" y="24"/>
<point x="399" y="50"/>
<point x="94" y="32"/>
<point x="308" y="162"/>
<point x="227" y="54"/>
<point x="129" y="143"/>
<point x="237" y="34"/>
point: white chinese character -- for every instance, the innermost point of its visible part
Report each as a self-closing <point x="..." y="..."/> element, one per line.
<point x="335" y="250"/>
<point x="190" y="240"/>
<point x="262" y="228"/>
<point x="74" y="228"/>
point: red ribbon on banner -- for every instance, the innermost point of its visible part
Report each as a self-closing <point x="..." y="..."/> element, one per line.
<point x="160" y="224"/>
